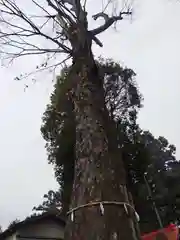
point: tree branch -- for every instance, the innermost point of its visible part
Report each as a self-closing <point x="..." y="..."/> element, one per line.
<point x="19" y="30"/>
<point x="11" y="31"/>
<point x="60" y="12"/>
<point x="108" y="21"/>
<point x="95" y="39"/>
<point x="43" y="68"/>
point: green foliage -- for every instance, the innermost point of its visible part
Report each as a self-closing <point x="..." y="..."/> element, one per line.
<point x="58" y="128"/>
<point x="158" y="152"/>
<point x="52" y="202"/>
<point x="142" y="152"/>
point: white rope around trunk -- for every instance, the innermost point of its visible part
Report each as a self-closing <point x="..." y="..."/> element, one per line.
<point x="101" y="203"/>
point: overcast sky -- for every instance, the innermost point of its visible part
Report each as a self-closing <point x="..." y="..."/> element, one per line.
<point x="149" y="45"/>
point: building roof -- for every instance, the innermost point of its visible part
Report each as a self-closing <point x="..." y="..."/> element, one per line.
<point x="33" y="219"/>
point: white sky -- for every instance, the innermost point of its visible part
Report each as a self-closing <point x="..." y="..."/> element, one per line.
<point x="149" y="45"/>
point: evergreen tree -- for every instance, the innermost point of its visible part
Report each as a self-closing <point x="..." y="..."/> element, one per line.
<point x="142" y="152"/>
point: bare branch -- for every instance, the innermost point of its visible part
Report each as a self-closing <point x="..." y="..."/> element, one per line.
<point x="71" y="11"/>
<point x="25" y="52"/>
<point x="60" y="12"/>
<point x="95" y="39"/>
<point x="102" y="14"/>
<point x="108" y="21"/>
<point x="43" y="67"/>
<point x="18" y="32"/>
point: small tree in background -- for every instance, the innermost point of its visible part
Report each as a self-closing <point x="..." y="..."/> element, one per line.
<point x="13" y="223"/>
<point x="51" y="202"/>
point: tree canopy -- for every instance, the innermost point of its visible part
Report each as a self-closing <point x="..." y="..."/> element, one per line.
<point x="142" y="152"/>
<point x="58" y="128"/>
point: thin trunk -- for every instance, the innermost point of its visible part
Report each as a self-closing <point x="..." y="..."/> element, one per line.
<point x="99" y="171"/>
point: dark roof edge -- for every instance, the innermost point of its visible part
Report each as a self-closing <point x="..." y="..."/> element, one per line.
<point x="33" y="219"/>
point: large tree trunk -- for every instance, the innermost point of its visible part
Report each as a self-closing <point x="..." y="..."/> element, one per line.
<point x="99" y="170"/>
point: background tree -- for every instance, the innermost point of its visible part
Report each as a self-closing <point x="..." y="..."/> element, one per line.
<point x="51" y="202"/>
<point x="13" y="223"/>
<point x="157" y="152"/>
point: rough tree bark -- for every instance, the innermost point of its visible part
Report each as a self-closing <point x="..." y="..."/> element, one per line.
<point x="99" y="171"/>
